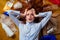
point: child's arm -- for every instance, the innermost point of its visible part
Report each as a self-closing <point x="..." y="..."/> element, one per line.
<point x="47" y="16"/>
<point x="13" y="15"/>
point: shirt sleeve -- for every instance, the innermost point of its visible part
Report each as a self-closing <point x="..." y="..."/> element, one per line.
<point x="12" y="15"/>
<point x="47" y="16"/>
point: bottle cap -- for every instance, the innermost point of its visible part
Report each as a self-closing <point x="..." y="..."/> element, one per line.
<point x="6" y="13"/>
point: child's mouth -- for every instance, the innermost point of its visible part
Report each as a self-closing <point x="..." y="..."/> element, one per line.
<point x="30" y="19"/>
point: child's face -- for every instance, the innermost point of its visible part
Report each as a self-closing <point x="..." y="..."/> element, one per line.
<point x="30" y="16"/>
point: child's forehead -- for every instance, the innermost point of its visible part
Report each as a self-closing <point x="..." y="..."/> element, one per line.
<point x="29" y="11"/>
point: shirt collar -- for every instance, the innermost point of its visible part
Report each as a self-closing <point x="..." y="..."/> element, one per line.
<point x="29" y="23"/>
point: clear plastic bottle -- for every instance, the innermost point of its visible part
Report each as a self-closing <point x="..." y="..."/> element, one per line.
<point x="8" y="25"/>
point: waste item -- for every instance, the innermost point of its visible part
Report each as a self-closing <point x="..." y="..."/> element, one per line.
<point x="17" y="5"/>
<point x="8" y="6"/>
<point x="7" y="23"/>
<point x="6" y="13"/>
<point x="8" y="31"/>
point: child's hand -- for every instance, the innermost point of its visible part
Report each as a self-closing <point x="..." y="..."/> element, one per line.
<point x="33" y="10"/>
<point x="24" y="14"/>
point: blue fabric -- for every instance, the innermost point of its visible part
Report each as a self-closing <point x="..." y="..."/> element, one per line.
<point x="48" y="37"/>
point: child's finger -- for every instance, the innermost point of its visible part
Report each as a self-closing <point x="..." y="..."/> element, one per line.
<point x="25" y="10"/>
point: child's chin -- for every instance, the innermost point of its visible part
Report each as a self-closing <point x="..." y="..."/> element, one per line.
<point x="31" y="21"/>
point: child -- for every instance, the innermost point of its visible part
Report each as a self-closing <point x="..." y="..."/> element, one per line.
<point x="30" y="30"/>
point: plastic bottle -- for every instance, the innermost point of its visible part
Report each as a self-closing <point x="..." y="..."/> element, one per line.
<point x="8" y="5"/>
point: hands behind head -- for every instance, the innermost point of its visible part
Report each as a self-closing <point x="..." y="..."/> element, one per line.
<point x="24" y="14"/>
<point x="34" y="12"/>
<point x="26" y="10"/>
